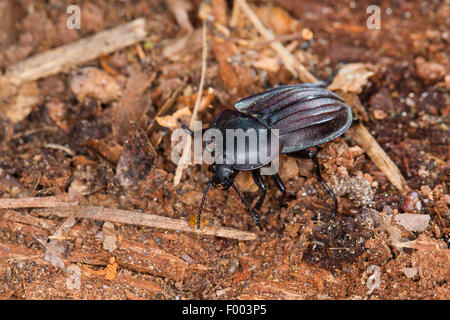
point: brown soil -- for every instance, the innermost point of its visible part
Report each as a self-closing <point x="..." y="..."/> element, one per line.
<point x="82" y="145"/>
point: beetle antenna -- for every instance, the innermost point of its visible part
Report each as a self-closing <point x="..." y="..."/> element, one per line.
<point x="254" y="215"/>
<point x="203" y="201"/>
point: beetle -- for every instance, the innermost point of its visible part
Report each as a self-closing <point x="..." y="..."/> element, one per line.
<point x="304" y="115"/>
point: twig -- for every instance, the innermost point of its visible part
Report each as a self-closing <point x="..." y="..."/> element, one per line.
<point x="440" y="218"/>
<point x="187" y="147"/>
<point x="150" y="220"/>
<point x="297" y="69"/>
<point x="59" y="147"/>
<point x="71" y="209"/>
<point x="53" y="61"/>
<point x="378" y="156"/>
<point x="35" y="202"/>
<point x="235" y="14"/>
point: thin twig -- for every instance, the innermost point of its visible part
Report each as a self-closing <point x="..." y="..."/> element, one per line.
<point x="59" y="147"/>
<point x="363" y="137"/>
<point x="58" y="59"/>
<point x="35" y="202"/>
<point x="187" y="147"/>
<point x="150" y="220"/>
<point x="440" y="218"/>
<point x="71" y="209"/>
<point x="235" y="14"/>
<point x="297" y="69"/>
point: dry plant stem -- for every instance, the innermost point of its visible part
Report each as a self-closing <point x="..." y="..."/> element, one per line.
<point x="71" y="209"/>
<point x="379" y="156"/>
<point x="53" y="61"/>
<point x="292" y="64"/>
<point x="149" y="220"/>
<point x="44" y="202"/>
<point x="187" y="147"/>
<point x="235" y="14"/>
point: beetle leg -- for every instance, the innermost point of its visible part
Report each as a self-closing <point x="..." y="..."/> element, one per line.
<point x="281" y="186"/>
<point x="309" y="154"/>
<point x="254" y="215"/>
<point x="260" y="183"/>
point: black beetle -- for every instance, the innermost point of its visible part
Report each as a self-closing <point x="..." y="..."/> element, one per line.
<point x="305" y="115"/>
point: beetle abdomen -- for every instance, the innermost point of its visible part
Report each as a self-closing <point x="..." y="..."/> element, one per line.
<point x="306" y="115"/>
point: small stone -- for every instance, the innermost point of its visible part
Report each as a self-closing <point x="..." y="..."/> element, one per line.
<point x="410" y="272"/>
<point x="423" y="172"/>
<point x="410" y="102"/>
<point x="224" y="292"/>
<point x="110" y="238"/>
<point x="413" y="222"/>
<point x="379" y="114"/>
<point x="234" y="266"/>
<point x="410" y="202"/>
<point x="429" y="72"/>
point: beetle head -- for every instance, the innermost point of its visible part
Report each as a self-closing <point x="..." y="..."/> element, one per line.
<point x="223" y="176"/>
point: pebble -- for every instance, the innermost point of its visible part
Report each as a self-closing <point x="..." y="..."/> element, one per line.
<point x="413" y="222"/>
<point x="234" y="266"/>
<point x="410" y="272"/>
<point x="410" y="203"/>
<point x="429" y="72"/>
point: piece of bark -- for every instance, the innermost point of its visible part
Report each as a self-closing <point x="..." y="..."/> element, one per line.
<point x="151" y="259"/>
<point x="130" y="107"/>
<point x="136" y="160"/>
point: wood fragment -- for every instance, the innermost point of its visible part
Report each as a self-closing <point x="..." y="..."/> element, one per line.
<point x="53" y="61"/>
<point x="59" y="147"/>
<point x="36" y="202"/>
<point x="235" y="13"/>
<point x="378" y="156"/>
<point x="67" y="209"/>
<point x="440" y="218"/>
<point x="151" y="220"/>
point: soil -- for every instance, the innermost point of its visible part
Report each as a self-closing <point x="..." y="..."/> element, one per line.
<point x="77" y="140"/>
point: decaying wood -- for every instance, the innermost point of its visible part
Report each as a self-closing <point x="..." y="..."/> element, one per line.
<point x="53" y="61"/>
<point x="378" y="156"/>
<point x="67" y="209"/>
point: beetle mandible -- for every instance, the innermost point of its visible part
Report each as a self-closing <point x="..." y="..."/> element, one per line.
<point x="305" y="115"/>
